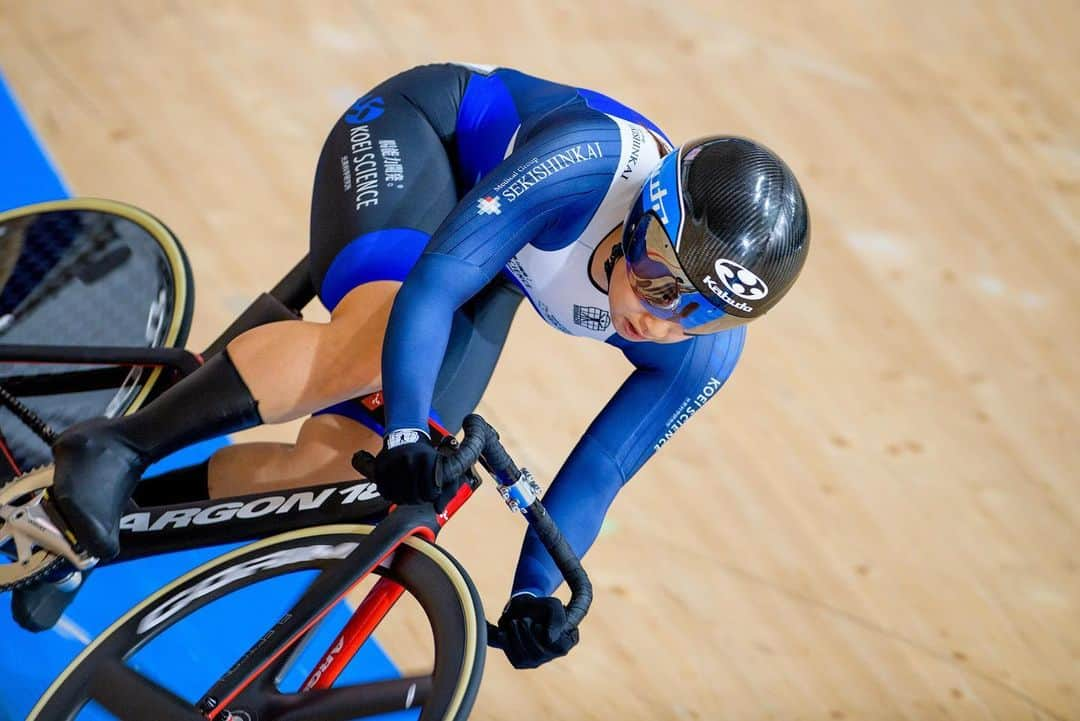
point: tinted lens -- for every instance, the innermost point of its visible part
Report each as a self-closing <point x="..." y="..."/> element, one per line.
<point x="660" y="294"/>
<point x="657" y="279"/>
<point x="654" y="273"/>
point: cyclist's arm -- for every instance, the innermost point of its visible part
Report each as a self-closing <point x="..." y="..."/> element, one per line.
<point x="670" y="383"/>
<point x="471" y="247"/>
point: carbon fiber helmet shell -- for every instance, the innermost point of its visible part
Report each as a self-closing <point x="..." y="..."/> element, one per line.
<point x="735" y="233"/>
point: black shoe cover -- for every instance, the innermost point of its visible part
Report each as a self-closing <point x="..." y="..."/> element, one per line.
<point x="39" y="606"/>
<point x="96" y="471"/>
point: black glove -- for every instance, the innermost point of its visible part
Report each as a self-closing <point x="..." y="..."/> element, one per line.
<point x="535" y="631"/>
<point x="408" y="469"/>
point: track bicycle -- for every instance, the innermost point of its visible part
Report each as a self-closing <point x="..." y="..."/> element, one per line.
<point x="339" y="534"/>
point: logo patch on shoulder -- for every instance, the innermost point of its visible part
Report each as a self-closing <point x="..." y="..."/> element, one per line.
<point x="488" y="205"/>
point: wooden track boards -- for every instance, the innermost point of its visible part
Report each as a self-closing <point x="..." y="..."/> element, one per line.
<point x="878" y="517"/>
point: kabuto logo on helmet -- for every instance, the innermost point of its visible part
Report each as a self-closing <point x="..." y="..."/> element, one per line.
<point x="740" y="280"/>
<point x="742" y="283"/>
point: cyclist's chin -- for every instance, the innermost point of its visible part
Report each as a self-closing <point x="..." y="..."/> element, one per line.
<point x="626" y="328"/>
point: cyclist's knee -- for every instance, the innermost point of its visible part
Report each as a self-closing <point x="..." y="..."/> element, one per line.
<point x="328" y="441"/>
<point x="350" y="346"/>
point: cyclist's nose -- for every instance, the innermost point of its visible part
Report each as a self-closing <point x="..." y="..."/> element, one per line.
<point x="659" y="329"/>
<point x="651" y="326"/>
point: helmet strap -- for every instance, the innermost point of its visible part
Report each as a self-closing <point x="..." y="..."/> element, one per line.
<point x="609" y="264"/>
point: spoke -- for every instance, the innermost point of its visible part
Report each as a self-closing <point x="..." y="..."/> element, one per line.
<point x="130" y="696"/>
<point x="353" y="702"/>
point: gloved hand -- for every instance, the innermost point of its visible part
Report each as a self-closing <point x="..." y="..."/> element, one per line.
<point x="536" y="631"/>
<point x="408" y="469"/>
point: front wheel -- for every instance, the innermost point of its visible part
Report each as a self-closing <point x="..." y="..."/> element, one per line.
<point x="108" y="672"/>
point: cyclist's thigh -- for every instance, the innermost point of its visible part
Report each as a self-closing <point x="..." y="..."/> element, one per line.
<point x="383" y="184"/>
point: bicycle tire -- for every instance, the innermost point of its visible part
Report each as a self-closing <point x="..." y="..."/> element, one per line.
<point x="434" y="578"/>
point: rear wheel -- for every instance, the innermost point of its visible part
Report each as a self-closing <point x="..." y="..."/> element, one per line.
<point x="108" y="675"/>
<point x="84" y="272"/>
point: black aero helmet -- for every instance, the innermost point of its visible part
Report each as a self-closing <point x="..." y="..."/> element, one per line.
<point x="718" y="234"/>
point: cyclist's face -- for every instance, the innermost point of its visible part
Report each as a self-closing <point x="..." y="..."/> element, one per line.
<point x="631" y="318"/>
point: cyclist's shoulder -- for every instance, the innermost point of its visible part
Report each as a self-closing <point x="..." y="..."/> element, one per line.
<point x="540" y="92"/>
<point x="548" y="106"/>
<point x="618" y="111"/>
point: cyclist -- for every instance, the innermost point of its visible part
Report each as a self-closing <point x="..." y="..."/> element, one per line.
<point x="441" y="198"/>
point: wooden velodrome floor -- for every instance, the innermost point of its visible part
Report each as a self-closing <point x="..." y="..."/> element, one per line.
<point x="879" y="517"/>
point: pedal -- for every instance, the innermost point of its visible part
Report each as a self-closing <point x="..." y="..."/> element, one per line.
<point x="38" y="540"/>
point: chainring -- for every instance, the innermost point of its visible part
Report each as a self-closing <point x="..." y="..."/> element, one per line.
<point x="31" y="562"/>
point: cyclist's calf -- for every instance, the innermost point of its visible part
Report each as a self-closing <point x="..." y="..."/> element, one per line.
<point x="321" y="454"/>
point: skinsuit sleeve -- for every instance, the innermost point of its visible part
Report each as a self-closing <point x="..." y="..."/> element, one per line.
<point x="669" y="384"/>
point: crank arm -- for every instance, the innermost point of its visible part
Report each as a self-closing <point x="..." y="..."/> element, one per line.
<point x="32" y="523"/>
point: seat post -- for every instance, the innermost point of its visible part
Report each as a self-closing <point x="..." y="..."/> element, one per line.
<point x="295" y="290"/>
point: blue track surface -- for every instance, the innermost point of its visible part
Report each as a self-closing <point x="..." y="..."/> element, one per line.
<point x="212" y="638"/>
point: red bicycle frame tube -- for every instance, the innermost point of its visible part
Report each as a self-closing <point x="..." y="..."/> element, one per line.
<point x="9" y="456"/>
<point x="367" y="616"/>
